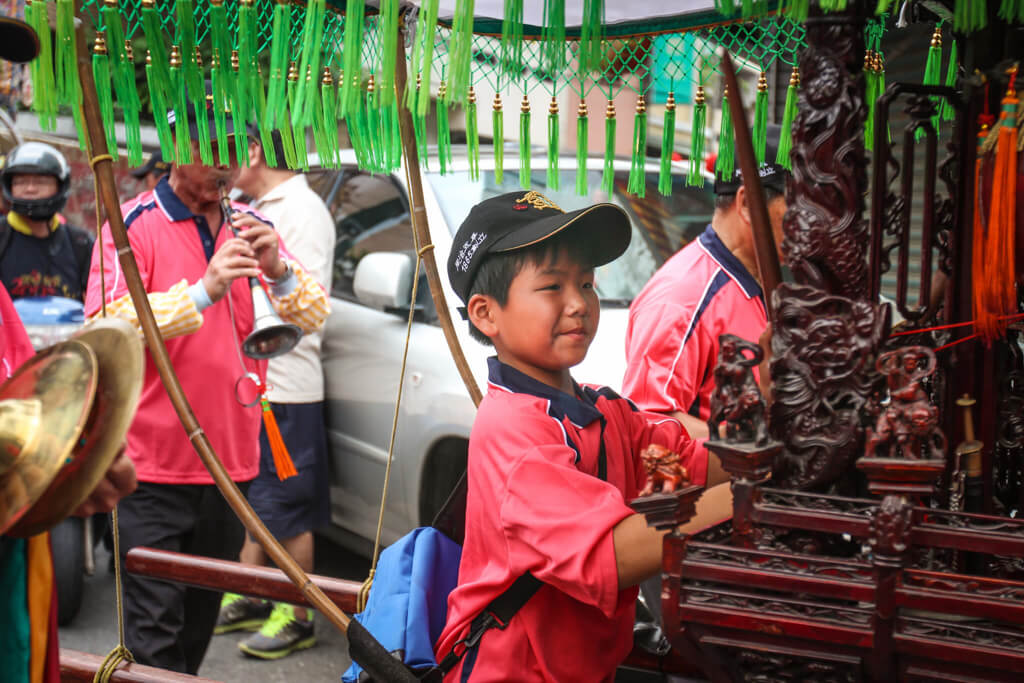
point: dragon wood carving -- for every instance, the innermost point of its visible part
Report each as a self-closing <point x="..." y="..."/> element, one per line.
<point x="824" y="378"/>
<point x="826" y="235"/>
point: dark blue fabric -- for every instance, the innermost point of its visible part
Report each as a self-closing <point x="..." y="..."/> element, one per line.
<point x="710" y="240"/>
<point x="408" y="601"/>
<point x="303" y="502"/>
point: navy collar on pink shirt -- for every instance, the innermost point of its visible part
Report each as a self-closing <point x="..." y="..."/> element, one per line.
<point x="176" y="210"/>
<point x="580" y="409"/>
<point x="710" y="240"/>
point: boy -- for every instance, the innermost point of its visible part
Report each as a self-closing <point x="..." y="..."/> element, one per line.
<point x="551" y="463"/>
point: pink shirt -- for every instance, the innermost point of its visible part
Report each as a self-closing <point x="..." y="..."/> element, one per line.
<point x="672" y="336"/>
<point x="15" y="346"/>
<point x="168" y="246"/>
<point x="535" y="503"/>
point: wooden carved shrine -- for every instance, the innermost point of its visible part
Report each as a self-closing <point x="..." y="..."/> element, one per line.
<point x="874" y="534"/>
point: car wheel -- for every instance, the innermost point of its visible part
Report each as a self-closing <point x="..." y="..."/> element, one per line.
<point x="441" y="472"/>
<point x="68" y="567"/>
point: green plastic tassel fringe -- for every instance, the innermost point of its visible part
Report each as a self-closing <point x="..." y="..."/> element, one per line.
<point x="797" y="10"/>
<point x="782" y="157"/>
<point x="247" y="81"/>
<point x="461" y="51"/>
<point x="946" y="111"/>
<point x="221" y="102"/>
<point x="582" y="146"/>
<point x="157" y="59"/>
<point x="69" y="90"/>
<point x="66" y="74"/>
<point x="444" y="140"/>
<point x="238" y="109"/>
<point x="277" y="86"/>
<point x="553" y="36"/>
<point x="195" y="90"/>
<point x="419" y="129"/>
<point x="388" y="31"/>
<point x="553" y="146"/>
<point x="352" y="55"/>
<point x="1012" y="10"/>
<point x="498" y="124"/>
<point x="668" y="143"/>
<point x="101" y="75"/>
<point x="472" y="137"/>
<point x="608" y="172"/>
<point x="883" y="6"/>
<point x="159" y="105"/>
<point x="44" y="95"/>
<point x="263" y="125"/>
<point x="329" y="102"/>
<point x="222" y="77"/>
<point x="307" y="105"/>
<point x="183" y="153"/>
<point x="833" y="5"/>
<point x="694" y="177"/>
<point x="760" y="132"/>
<point x="511" y="63"/>
<point x="970" y="15"/>
<point x="637" y="176"/>
<point x="725" y="164"/>
<point x="589" y="52"/>
<point x="524" y="144"/>
<point x="932" y="75"/>
<point x="725" y="7"/>
<point x="422" y="56"/>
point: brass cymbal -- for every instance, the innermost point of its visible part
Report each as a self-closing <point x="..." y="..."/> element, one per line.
<point x="118" y="351"/>
<point x="43" y="411"/>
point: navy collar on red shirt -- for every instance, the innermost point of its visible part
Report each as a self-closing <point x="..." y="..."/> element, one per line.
<point x="710" y="240"/>
<point x="580" y="409"/>
<point x="169" y="202"/>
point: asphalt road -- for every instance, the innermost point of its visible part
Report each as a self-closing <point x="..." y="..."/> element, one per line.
<point x="94" y="629"/>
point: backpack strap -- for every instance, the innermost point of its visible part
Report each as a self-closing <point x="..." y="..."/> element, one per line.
<point x="5" y="236"/>
<point x="499" y="612"/>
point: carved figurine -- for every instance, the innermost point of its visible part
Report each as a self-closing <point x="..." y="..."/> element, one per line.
<point x="737" y="399"/>
<point x="665" y="474"/>
<point x="909" y="424"/>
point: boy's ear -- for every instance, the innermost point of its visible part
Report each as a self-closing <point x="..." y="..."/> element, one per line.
<point x="480" y="309"/>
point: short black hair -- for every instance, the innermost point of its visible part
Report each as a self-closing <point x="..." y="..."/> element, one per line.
<point x="724" y="201"/>
<point x="494" y="276"/>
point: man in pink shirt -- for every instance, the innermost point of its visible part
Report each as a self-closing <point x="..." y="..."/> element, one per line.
<point x="195" y="272"/>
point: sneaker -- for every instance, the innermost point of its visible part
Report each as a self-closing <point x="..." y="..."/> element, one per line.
<point x="281" y="635"/>
<point x="239" y="613"/>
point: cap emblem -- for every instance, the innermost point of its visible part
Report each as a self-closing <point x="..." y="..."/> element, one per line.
<point x="537" y="201"/>
<point x="467" y="250"/>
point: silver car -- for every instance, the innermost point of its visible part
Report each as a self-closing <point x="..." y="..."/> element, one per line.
<point x="365" y="334"/>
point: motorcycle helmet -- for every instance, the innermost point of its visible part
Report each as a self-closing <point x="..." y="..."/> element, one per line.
<point x="37" y="157"/>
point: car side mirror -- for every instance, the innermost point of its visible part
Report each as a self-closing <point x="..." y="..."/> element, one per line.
<point x="383" y="280"/>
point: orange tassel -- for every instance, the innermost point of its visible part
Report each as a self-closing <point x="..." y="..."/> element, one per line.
<point x="997" y="279"/>
<point x="282" y="461"/>
<point x="981" y="317"/>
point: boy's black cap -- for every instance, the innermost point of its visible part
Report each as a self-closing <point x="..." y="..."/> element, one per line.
<point x="773" y="175"/>
<point x="520" y="219"/>
<point x="18" y="40"/>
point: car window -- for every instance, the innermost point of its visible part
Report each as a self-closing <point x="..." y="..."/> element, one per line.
<point x="661" y="225"/>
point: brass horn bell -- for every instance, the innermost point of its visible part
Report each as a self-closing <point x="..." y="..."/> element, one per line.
<point x="270" y="336"/>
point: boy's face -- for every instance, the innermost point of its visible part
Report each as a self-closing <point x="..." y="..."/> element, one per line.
<point x="548" y="321"/>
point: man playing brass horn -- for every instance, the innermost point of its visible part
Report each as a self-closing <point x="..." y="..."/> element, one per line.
<point x="195" y="271"/>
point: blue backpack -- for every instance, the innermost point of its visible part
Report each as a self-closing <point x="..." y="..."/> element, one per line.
<point x="408" y="601"/>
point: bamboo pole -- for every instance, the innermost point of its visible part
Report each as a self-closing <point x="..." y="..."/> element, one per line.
<point x="418" y="213"/>
<point x="765" y="252"/>
<point x="363" y="648"/>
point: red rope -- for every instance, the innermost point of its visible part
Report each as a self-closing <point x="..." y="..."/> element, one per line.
<point x="1008" y="318"/>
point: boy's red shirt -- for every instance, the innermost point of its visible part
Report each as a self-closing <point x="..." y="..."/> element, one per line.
<point x="535" y="503"/>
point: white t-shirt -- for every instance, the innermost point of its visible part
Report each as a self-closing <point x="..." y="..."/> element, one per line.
<point x="304" y="223"/>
